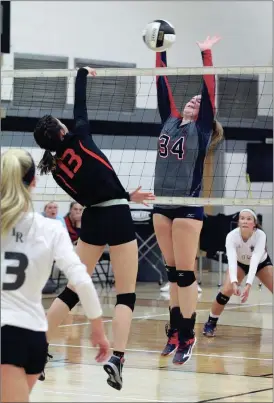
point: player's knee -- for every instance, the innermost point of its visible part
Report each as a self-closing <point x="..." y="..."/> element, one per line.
<point x="69" y="297"/>
<point x="185" y="278"/>
<point x="171" y="274"/>
<point x="127" y="300"/>
<point x="222" y="299"/>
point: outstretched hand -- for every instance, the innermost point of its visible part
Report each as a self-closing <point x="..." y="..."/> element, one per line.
<point x="245" y="293"/>
<point x="208" y="43"/>
<point x="91" y="71"/>
<point x="140" y="197"/>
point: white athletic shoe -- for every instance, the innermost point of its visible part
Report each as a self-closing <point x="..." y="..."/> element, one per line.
<point x="165" y="288"/>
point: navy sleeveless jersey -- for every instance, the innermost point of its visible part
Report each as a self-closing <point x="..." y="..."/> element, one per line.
<point x="182" y="146"/>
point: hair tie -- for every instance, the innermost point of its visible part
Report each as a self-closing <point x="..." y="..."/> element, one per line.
<point x="30" y="174"/>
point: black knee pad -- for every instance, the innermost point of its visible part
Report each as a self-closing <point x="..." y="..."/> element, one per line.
<point x="222" y="299"/>
<point x="127" y="299"/>
<point x="69" y="297"/>
<point x="171" y="274"/>
<point x="185" y="278"/>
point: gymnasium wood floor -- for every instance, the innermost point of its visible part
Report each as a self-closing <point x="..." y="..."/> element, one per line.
<point x="235" y="366"/>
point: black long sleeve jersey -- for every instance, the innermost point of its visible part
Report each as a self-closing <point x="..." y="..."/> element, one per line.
<point x="82" y="170"/>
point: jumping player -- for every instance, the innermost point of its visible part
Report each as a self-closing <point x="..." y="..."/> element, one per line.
<point x="30" y="243"/>
<point x="183" y="144"/>
<point x="247" y="256"/>
<point x="82" y="170"/>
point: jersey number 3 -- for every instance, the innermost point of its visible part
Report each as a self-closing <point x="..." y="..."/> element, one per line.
<point x="18" y="271"/>
<point x="177" y="148"/>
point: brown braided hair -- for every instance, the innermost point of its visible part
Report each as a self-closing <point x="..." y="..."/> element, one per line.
<point x="47" y="136"/>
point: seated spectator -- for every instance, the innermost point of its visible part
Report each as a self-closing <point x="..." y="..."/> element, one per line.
<point x="73" y="221"/>
<point x="51" y="211"/>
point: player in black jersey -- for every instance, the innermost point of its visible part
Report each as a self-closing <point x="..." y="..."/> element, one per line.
<point x="183" y="145"/>
<point x="84" y="172"/>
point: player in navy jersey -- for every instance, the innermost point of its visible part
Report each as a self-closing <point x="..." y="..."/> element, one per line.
<point x="84" y="172"/>
<point x="183" y="144"/>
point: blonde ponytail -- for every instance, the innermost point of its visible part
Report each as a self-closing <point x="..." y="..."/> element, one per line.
<point x="15" y="194"/>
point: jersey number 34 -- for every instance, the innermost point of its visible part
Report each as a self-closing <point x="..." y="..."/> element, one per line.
<point x="176" y="149"/>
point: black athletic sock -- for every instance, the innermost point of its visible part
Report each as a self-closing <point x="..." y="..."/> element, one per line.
<point x="186" y="330"/>
<point x="175" y="317"/>
<point x="213" y="320"/>
<point x="118" y="354"/>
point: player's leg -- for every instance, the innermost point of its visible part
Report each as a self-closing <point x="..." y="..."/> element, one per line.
<point x="31" y="381"/>
<point x="123" y="251"/>
<point x="14" y="385"/>
<point x="89" y="248"/>
<point x="220" y="302"/>
<point x="185" y="235"/>
<point x="163" y="232"/>
<point x="265" y="275"/>
<point x="63" y="304"/>
<point x="23" y="358"/>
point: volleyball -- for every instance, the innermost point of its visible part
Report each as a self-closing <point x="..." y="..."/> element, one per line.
<point x="159" y="35"/>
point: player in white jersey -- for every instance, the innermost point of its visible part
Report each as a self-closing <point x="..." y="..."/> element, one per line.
<point x="247" y="256"/>
<point x="30" y="244"/>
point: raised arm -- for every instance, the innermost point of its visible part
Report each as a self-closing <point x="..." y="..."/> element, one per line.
<point x="165" y="100"/>
<point x="80" y="105"/>
<point x="208" y="106"/>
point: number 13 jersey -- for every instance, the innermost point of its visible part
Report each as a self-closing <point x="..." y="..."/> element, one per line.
<point x="82" y="170"/>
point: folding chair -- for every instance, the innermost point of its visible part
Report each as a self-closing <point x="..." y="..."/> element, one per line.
<point x="147" y="246"/>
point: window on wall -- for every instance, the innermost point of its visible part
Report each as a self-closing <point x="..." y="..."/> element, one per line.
<point x="117" y="94"/>
<point x="238" y="97"/>
<point x="39" y="92"/>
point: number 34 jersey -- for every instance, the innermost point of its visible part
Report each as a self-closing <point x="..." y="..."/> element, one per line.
<point x="182" y="148"/>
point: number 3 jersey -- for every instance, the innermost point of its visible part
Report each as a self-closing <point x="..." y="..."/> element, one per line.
<point x="27" y="256"/>
<point x="182" y="146"/>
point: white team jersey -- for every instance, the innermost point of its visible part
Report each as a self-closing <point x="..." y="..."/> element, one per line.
<point x="251" y="252"/>
<point x="27" y="257"/>
<point x="244" y="249"/>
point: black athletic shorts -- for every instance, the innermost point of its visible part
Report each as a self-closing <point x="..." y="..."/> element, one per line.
<point x="112" y="225"/>
<point x="266" y="262"/>
<point x="196" y="213"/>
<point x="24" y="348"/>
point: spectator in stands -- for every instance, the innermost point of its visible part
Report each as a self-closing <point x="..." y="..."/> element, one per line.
<point x="73" y="221"/>
<point x="51" y="211"/>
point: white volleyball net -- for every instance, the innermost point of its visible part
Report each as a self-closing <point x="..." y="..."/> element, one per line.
<point x="125" y="123"/>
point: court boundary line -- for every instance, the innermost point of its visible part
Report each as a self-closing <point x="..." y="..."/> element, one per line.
<point x="167" y="314"/>
<point x="158" y="352"/>
<point x="236" y="395"/>
<point x="116" y="398"/>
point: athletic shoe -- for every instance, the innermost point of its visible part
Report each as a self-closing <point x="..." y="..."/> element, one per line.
<point x="172" y="342"/>
<point x="184" y="350"/>
<point x="42" y="376"/>
<point x="114" y="368"/>
<point x="165" y="288"/>
<point x="209" y="329"/>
